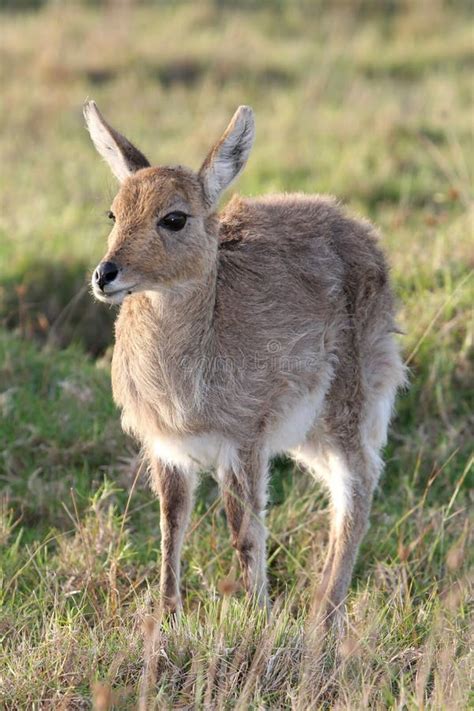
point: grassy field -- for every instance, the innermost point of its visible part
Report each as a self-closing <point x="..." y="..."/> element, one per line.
<point x="370" y="101"/>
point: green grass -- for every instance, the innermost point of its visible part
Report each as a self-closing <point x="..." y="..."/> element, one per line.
<point x="374" y="105"/>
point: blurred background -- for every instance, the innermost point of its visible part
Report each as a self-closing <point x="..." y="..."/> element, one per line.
<point x="369" y="100"/>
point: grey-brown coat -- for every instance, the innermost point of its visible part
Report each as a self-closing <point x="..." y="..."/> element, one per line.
<point x="266" y="328"/>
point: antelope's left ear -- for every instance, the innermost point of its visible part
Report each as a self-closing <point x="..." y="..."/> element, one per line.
<point x="123" y="158"/>
<point x="229" y="155"/>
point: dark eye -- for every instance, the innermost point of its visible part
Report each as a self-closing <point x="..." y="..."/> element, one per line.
<point x="111" y="215"/>
<point x="174" y="221"/>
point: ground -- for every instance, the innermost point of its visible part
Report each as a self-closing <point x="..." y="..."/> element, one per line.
<point x="369" y="101"/>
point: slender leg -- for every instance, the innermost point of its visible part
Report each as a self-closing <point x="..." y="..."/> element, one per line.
<point x="244" y="494"/>
<point x="351" y="487"/>
<point x="350" y="481"/>
<point x="347" y="540"/>
<point x="327" y="568"/>
<point x="175" y="491"/>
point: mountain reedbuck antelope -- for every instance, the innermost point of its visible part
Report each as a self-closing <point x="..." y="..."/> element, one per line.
<point x="265" y="328"/>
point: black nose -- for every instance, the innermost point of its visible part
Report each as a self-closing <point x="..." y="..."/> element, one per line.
<point x="105" y="273"/>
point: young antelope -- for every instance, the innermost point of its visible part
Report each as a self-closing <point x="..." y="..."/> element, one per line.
<point x="266" y="328"/>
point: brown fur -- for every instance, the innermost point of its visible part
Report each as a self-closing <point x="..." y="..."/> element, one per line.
<point x="238" y="326"/>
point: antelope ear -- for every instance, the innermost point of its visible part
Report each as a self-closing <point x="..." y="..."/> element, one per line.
<point x="229" y="155"/>
<point x="122" y="157"/>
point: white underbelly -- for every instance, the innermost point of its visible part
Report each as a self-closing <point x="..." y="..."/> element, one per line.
<point x="292" y="427"/>
<point x="197" y="452"/>
<point x="213" y="450"/>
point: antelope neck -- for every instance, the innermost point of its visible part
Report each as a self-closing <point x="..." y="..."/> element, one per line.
<point x="185" y="313"/>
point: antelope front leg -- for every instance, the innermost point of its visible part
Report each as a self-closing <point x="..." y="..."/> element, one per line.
<point x="175" y="491"/>
<point x="244" y="495"/>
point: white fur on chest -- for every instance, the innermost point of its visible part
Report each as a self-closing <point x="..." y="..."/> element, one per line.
<point x="214" y="451"/>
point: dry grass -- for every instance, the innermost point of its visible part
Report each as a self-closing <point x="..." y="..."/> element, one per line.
<point x="90" y="624"/>
<point x="372" y="102"/>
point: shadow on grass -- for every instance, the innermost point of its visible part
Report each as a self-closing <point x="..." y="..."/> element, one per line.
<point x="50" y="303"/>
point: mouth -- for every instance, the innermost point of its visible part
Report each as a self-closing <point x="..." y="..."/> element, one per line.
<point x="113" y="297"/>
